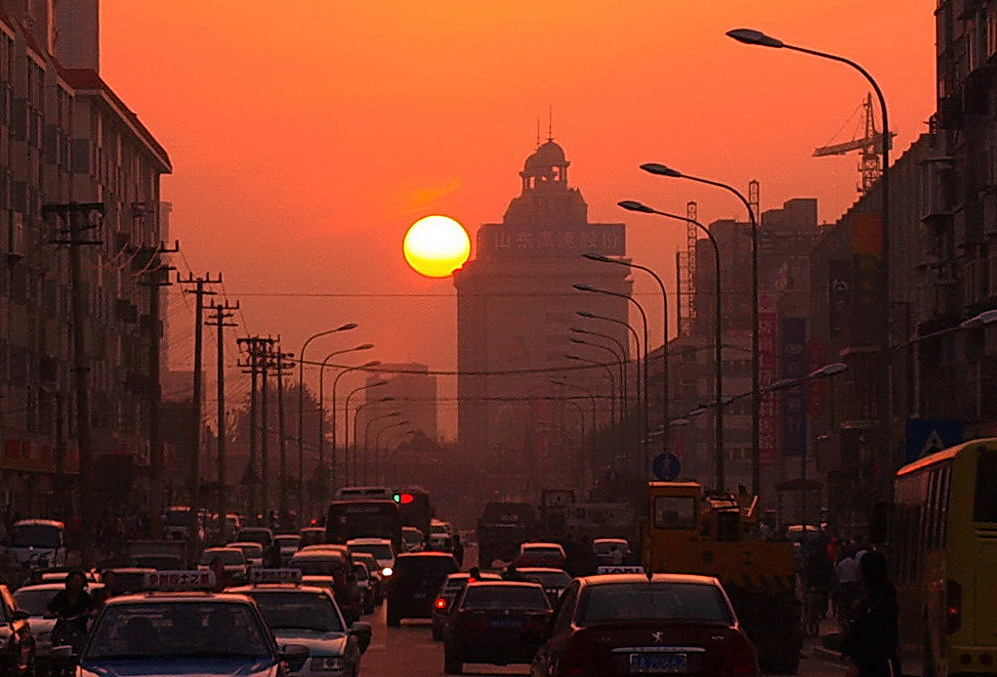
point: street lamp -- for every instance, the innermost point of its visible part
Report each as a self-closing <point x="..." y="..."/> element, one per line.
<point x="623" y="366"/>
<point x="346" y="421"/>
<point x="321" y="398"/>
<point x="659" y="169"/>
<point x="586" y="462"/>
<point x="624" y="396"/>
<point x="643" y="316"/>
<point x="750" y="36"/>
<point x="301" y="406"/>
<point x="718" y="459"/>
<point x="664" y="332"/>
<point x="379" y="451"/>
<point x="609" y="372"/>
<point x="366" y="437"/>
<point x="621" y="359"/>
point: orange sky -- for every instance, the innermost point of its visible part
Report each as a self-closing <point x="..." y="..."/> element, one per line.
<point x="306" y="135"/>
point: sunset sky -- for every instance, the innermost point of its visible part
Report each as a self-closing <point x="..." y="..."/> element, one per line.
<point x="307" y="135"/>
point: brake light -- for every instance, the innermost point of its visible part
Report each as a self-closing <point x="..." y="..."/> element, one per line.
<point x="739" y="658"/>
<point x="953" y="606"/>
<point x="441" y="603"/>
<point x="574" y="660"/>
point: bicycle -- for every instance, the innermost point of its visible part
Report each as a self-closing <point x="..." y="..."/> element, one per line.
<point x="814" y="611"/>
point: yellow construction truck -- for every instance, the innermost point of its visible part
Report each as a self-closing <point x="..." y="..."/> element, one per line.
<point x="689" y="530"/>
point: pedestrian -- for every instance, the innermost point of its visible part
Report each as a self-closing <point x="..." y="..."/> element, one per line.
<point x="512" y="574"/>
<point x="273" y="558"/>
<point x="458" y="550"/>
<point x="348" y="596"/>
<point x="72" y="607"/>
<point x="221" y="576"/>
<point x="871" y="639"/>
<point x="474" y="575"/>
<point x="848" y="585"/>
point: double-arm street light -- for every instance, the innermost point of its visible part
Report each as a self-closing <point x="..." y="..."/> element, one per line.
<point x="645" y="471"/>
<point x="623" y="367"/>
<point x="621" y="359"/>
<point x="751" y="36"/>
<point x="379" y="450"/>
<point x="624" y="397"/>
<point x="321" y="398"/>
<point x="346" y="424"/>
<point x="301" y="407"/>
<point x="659" y="169"/>
<point x="719" y="460"/>
<point x="365" y="462"/>
<point x="664" y="332"/>
<point x="335" y="423"/>
<point x="587" y="455"/>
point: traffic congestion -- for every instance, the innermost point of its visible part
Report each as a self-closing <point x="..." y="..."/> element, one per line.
<point x="350" y="595"/>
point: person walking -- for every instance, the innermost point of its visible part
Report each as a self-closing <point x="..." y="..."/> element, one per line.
<point x="871" y="640"/>
<point x="458" y="550"/>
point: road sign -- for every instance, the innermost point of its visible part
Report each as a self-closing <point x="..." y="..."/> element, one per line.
<point x="927" y="436"/>
<point x="666" y="467"/>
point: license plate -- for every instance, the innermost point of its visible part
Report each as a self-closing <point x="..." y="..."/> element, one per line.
<point x="420" y="595"/>
<point x="658" y="662"/>
<point x="507" y="623"/>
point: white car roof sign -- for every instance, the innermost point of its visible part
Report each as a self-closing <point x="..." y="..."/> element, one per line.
<point x="275" y="576"/>
<point x="180" y="580"/>
<point x="602" y="571"/>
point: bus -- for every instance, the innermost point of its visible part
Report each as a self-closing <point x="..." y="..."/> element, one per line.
<point x="942" y="545"/>
<point x="414" y="506"/>
<point x="363" y="519"/>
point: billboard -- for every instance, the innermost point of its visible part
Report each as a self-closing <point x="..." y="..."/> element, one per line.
<point x="792" y="364"/>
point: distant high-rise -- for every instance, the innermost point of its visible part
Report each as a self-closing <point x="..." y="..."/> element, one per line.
<point x="515" y="309"/>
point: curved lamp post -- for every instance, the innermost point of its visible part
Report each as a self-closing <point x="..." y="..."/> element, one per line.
<point x="643" y="316"/>
<point x="321" y="397"/>
<point x="366" y="437"/>
<point x="666" y="394"/>
<point x="719" y="451"/>
<point x="346" y="424"/>
<point x="659" y="169"/>
<point x="624" y="395"/>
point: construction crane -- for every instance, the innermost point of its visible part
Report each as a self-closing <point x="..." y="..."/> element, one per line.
<point x="870" y="145"/>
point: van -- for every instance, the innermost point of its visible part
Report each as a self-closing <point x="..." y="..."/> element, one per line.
<point x="36" y="543"/>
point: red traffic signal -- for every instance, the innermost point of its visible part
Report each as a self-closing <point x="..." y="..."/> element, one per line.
<point x="404" y="499"/>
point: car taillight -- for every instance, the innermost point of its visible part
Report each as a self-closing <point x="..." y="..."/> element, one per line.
<point x="441" y="603"/>
<point x="739" y="658"/>
<point x="953" y="606"/>
<point x="574" y="661"/>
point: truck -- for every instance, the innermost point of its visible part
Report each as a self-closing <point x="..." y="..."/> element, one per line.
<point x="692" y="531"/>
<point x="501" y="529"/>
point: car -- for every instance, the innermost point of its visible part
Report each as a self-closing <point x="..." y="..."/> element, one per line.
<point x="413" y="540"/>
<point x="311" y="536"/>
<point x="17" y="641"/>
<point x="605" y="550"/>
<point x="374" y="572"/>
<point x="362" y="578"/>
<point x="319" y="562"/>
<point x="176" y="523"/>
<point x="380" y="548"/>
<point x="251" y="550"/>
<point x="540" y="555"/>
<point x="159" y="562"/>
<point x="622" y="624"/>
<point x="288" y="544"/>
<point x="261" y="535"/>
<point x="181" y="633"/>
<point x="417" y="577"/>
<point x="497" y="622"/>
<point x="309" y="616"/>
<point x="36" y="543"/>
<point x="233" y="561"/>
<point x="553" y="581"/>
<point x="125" y="580"/>
<point x="452" y="586"/>
<point x="327" y="547"/>
<point x="440" y="536"/>
<point x="34" y="600"/>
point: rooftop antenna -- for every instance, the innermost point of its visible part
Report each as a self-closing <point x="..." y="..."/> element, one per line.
<point x="550" y="122"/>
<point x="538" y="131"/>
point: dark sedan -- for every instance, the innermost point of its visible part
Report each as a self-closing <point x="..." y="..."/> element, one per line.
<point x="497" y="622"/>
<point x="610" y="626"/>
<point x="451" y="589"/>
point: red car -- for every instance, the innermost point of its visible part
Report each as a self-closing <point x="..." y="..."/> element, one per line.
<point x="632" y="624"/>
<point x="497" y="622"/>
<point x="549" y="555"/>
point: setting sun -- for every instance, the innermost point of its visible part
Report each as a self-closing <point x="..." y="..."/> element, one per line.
<point x="435" y="246"/>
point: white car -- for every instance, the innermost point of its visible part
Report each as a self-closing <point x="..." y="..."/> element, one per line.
<point x="252" y="551"/>
<point x="289" y="544"/>
<point x="380" y="548"/>
<point x="34" y="599"/>
<point x="440" y="536"/>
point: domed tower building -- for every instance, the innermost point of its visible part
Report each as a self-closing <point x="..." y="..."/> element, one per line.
<point x="516" y="306"/>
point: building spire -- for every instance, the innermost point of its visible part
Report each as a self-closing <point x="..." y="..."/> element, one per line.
<point x="550" y="122"/>
<point x="538" y="131"/>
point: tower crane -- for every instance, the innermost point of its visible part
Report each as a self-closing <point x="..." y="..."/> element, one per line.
<point x="870" y="146"/>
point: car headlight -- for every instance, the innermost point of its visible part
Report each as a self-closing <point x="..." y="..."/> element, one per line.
<point x="387" y="571"/>
<point x="328" y="664"/>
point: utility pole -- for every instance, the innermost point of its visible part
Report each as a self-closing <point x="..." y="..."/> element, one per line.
<point x="250" y="479"/>
<point x="74" y="221"/>
<point x="222" y="313"/>
<point x="195" y="446"/>
<point x="266" y="353"/>
<point x="155" y="283"/>
<point x="283" y="364"/>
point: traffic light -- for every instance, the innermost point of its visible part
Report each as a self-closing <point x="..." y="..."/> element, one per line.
<point x="403" y="499"/>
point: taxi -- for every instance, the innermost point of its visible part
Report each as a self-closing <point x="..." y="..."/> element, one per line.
<point x="180" y="628"/>
<point x="309" y="616"/>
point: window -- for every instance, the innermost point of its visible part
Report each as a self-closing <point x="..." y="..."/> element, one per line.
<point x="299" y="611"/>
<point x="565" y="608"/>
<point x="985" y="500"/>
<point x="505" y="597"/>
<point x="609" y="603"/>
<point x="675" y="512"/>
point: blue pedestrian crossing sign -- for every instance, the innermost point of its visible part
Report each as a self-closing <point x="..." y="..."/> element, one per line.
<point x="666" y="467"/>
<point x="927" y="436"/>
